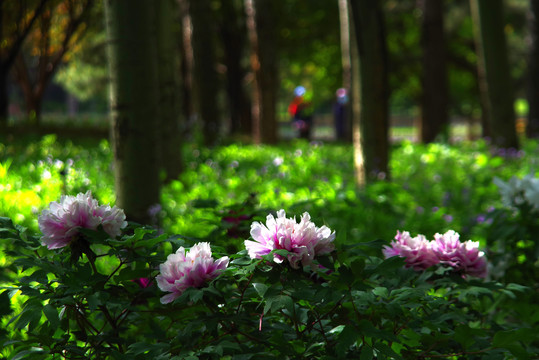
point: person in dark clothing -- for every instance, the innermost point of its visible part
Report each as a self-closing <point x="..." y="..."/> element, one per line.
<point x="339" y="112"/>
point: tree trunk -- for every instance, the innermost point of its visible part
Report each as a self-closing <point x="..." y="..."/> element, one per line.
<point x="261" y="29"/>
<point x="491" y="44"/>
<point x="134" y="106"/>
<point x="233" y="35"/>
<point x="4" y="98"/>
<point x="370" y="92"/>
<point x="186" y="68"/>
<point x="206" y="80"/>
<point x="33" y="91"/>
<point x="532" y="129"/>
<point x="434" y="102"/>
<point x="346" y="60"/>
<point x="170" y="131"/>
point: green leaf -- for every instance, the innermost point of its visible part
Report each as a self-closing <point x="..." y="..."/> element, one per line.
<point x="30" y="354"/>
<point x="29" y="314"/>
<point x="386" y="350"/>
<point x="93" y="301"/>
<point x="5" y="304"/>
<point x="381" y="291"/>
<point x="512" y="337"/>
<point x="260" y="288"/>
<point x="366" y="353"/>
<point x="357" y="267"/>
<point x="517" y="287"/>
<point x="151" y="242"/>
<point x="346" y="339"/>
<point x="52" y="315"/>
<point x="279" y="302"/>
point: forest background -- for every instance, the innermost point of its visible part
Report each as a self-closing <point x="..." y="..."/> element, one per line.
<point x="176" y="111"/>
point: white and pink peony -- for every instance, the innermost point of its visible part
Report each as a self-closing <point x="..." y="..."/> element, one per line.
<point x="183" y="270"/>
<point x="303" y="240"/>
<point x="417" y="250"/>
<point x="60" y="223"/>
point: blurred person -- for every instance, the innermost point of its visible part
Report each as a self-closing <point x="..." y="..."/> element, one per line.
<point x="339" y="113"/>
<point x="300" y="109"/>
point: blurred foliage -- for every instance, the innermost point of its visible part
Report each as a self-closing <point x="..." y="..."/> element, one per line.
<point x="86" y="73"/>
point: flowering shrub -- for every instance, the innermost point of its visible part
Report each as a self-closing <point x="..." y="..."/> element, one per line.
<point x="326" y="301"/>
<point x="512" y="233"/>
<point x="184" y="270"/>
<point x="519" y="193"/>
<point x="446" y="249"/>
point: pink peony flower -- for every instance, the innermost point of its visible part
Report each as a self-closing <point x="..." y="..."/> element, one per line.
<point x="446" y="249"/>
<point x="462" y="256"/>
<point x="417" y="250"/>
<point x="61" y="222"/>
<point x="183" y="270"/>
<point x="303" y="240"/>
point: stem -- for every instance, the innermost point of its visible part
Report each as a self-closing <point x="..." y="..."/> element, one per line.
<point x="294" y="319"/>
<point x="112" y="323"/>
<point x="243" y="293"/>
<point x="354" y="305"/>
<point x="92" y="264"/>
<point x="114" y="272"/>
<point x="319" y="321"/>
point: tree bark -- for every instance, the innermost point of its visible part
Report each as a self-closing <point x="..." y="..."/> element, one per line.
<point x="186" y="68"/>
<point x="170" y="131"/>
<point x="497" y="87"/>
<point x="234" y="44"/>
<point x="134" y="105"/>
<point x="532" y="128"/>
<point x="434" y="101"/>
<point x="206" y="80"/>
<point x="370" y="92"/>
<point x="261" y="29"/>
<point x="346" y="59"/>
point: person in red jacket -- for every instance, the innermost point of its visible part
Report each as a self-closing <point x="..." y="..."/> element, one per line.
<point x="300" y="111"/>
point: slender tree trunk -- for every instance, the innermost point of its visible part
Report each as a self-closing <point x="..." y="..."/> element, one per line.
<point x="4" y="98"/>
<point x="434" y="102"/>
<point x="346" y="59"/>
<point x="532" y="129"/>
<point x="234" y="40"/>
<point x="134" y="105"/>
<point x="370" y="103"/>
<point x="186" y="68"/>
<point x="170" y="132"/>
<point x="261" y="29"/>
<point x="489" y="21"/>
<point x="206" y="80"/>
